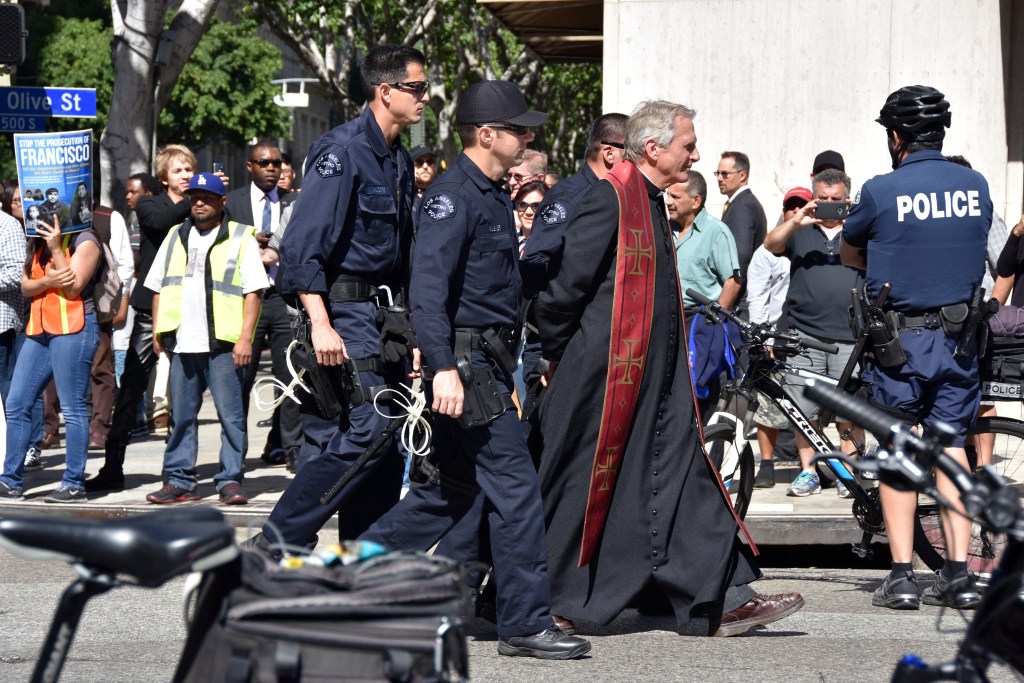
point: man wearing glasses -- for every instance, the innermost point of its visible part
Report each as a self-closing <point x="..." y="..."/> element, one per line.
<point x="349" y="236"/>
<point x="466" y="312"/>
<point x="424" y="171"/>
<point x="260" y="204"/>
<point x="742" y="213"/>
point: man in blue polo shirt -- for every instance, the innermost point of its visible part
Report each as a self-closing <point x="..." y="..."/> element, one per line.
<point x="923" y="228"/>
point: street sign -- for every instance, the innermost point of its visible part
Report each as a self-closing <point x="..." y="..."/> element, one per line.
<point x="22" y="124"/>
<point x="66" y="102"/>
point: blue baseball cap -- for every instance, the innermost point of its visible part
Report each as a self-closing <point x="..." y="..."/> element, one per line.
<point x="207" y="182"/>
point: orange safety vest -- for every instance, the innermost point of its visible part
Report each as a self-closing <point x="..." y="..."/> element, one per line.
<point x="52" y="311"/>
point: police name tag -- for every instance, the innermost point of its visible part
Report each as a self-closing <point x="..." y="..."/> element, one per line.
<point x="439" y="207"/>
<point x="1001" y="390"/>
<point x="328" y="165"/>
<point x="554" y="213"/>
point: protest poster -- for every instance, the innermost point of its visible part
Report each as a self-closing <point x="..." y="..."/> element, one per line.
<point x="55" y="179"/>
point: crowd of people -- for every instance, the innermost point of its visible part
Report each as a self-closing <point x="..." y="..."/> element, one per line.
<point x="546" y="319"/>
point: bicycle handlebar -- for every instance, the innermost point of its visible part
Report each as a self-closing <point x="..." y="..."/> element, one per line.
<point x="758" y="333"/>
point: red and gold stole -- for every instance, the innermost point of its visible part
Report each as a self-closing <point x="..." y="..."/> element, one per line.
<point x="632" y="311"/>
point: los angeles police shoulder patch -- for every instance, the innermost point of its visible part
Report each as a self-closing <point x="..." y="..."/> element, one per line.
<point x="439" y="207"/>
<point x="328" y="165"/>
<point x="554" y="213"/>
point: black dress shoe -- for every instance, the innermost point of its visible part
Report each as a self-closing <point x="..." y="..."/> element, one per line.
<point x="105" y="480"/>
<point x="760" y="610"/>
<point x="550" y="643"/>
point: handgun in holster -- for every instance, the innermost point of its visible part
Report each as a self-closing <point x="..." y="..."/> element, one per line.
<point x="482" y="401"/>
<point x="974" y="334"/>
<point x="335" y="388"/>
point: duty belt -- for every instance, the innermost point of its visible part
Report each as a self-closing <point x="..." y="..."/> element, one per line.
<point x="500" y="343"/>
<point x="348" y="288"/>
<point x="904" y="321"/>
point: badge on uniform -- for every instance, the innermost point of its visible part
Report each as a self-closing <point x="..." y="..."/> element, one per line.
<point x="328" y="165"/>
<point x="439" y="207"/>
<point x="553" y="213"/>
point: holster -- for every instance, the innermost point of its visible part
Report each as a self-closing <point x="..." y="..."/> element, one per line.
<point x="885" y="339"/>
<point x="482" y="402"/>
<point x="973" y="315"/>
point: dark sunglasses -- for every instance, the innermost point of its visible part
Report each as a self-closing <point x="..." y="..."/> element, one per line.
<point x="263" y="163"/>
<point x="617" y="145"/>
<point x="417" y="87"/>
<point x="522" y="207"/>
<point x="511" y="128"/>
<point x="424" y="161"/>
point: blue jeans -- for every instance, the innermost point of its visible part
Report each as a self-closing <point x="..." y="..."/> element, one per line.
<point x="191" y="374"/>
<point x="73" y="354"/>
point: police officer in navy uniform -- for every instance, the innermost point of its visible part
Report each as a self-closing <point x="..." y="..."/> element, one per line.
<point x="350" y="235"/>
<point x="466" y="297"/>
<point x="923" y="228"/>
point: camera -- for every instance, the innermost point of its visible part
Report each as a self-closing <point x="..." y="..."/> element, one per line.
<point x="832" y="211"/>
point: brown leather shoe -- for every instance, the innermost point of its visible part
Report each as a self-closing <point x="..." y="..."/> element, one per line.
<point x="565" y="625"/>
<point x="761" y="610"/>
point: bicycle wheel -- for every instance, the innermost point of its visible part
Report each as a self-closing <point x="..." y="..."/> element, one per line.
<point x="985" y="548"/>
<point x="735" y="462"/>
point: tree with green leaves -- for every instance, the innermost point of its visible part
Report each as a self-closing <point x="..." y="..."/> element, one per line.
<point x="463" y="43"/>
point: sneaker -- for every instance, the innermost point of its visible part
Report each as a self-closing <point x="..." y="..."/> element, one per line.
<point x="842" y="490"/>
<point x="7" y="493"/>
<point x="66" y="494"/>
<point x="805" y="484"/>
<point x="172" y="494"/>
<point x="32" y="461"/>
<point x="765" y="478"/>
<point x="232" y="494"/>
<point x="959" y="592"/>
<point x="897" y="592"/>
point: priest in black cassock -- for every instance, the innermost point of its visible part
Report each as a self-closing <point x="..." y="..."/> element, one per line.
<point x="636" y="513"/>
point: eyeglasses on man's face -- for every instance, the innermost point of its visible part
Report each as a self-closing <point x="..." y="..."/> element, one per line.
<point x="263" y="163"/>
<point x="724" y="175"/>
<point x="416" y="88"/>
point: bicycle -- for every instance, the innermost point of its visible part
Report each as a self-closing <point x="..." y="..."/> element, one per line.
<point x="996" y="631"/>
<point x="241" y="608"/>
<point x="768" y="376"/>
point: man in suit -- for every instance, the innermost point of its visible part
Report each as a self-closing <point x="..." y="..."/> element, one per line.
<point x="743" y="213"/>
<point x="260" y="203"/>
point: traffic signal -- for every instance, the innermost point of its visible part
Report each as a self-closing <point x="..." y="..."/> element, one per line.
<point x="12" y="34"/>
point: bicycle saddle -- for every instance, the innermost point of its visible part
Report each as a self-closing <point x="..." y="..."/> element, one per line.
<point x="151" y="548"/>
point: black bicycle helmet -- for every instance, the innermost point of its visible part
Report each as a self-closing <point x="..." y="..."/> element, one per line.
<point x="917" y="112"/>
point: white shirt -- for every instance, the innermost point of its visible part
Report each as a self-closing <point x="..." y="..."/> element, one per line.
<point x="767" y="284"/>
<point x="256" y="196"/>
<point x="193" y="335"/>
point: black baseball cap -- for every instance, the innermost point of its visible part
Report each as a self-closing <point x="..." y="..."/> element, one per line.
<point x="826" y="159"/>
<point x="421" y="151"/>
<point x="494" y="102"/>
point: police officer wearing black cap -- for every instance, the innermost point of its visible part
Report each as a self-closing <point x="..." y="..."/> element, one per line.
<point x="923" y="228"/>
<point x="466" y="299"/>
<point x="350" y="235"/>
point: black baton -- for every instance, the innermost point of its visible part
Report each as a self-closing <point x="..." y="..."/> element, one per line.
<point x="369" y="453"/>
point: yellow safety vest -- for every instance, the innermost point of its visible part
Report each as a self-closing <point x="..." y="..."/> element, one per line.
<point x="224" y="273"/>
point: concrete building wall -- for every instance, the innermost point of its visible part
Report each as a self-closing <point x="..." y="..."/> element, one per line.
<point x="784" y="79"/>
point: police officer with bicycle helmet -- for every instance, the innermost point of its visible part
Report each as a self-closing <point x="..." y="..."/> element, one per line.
<point x="923" y="228"/>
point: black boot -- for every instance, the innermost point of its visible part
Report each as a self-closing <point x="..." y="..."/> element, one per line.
<point x="765" y="478"/>
<point x="105" y="480"/>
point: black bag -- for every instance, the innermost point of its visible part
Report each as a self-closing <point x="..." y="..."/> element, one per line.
<point x="396" y="617"/>
<point x="1004" y="360"/>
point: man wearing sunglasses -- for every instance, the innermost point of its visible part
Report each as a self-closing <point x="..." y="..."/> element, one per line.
<point x="424" y="170"/>
<point x="260" y="203"/>
<point x="743" y="213"/>
<point x="349" y="236"/>
<point x="468" y="294"/>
